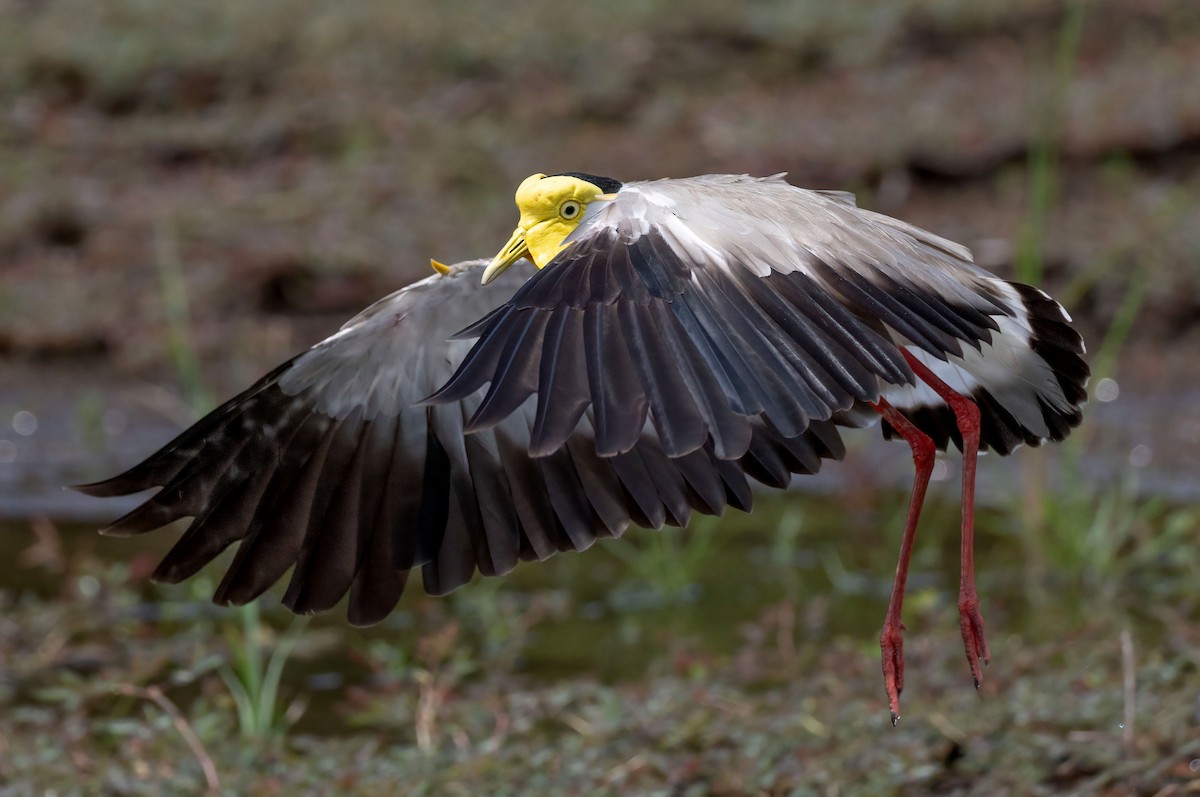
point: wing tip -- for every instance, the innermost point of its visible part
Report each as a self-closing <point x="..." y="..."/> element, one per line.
<point x="448" y="393"/>
<point x="111" y="488"/>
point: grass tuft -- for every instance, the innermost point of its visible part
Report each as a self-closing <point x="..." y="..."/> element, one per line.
<point x="254" y="676"/>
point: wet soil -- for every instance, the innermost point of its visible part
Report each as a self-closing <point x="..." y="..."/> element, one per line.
<point x="293" y="161"/>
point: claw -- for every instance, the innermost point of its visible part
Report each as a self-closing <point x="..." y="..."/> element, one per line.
<point x="891" y="644"/>
<point x="974" y="638"/>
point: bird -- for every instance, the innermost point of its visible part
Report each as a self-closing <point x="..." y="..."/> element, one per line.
<point x="703" y="306"/>
<point x="332" y="466"/>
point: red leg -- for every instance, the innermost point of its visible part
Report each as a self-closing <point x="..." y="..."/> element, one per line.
<point x="891" y="642"/>
<point x="966" y="413"/>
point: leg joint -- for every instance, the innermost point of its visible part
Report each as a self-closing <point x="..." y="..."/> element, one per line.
<point x="966" y="411"/>
<point x="923" y="449"/>
<point x="921" y="444"/>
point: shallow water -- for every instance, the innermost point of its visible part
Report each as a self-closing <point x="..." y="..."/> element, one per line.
<point x="814" y="563"/>
<point x="802" y="565"/>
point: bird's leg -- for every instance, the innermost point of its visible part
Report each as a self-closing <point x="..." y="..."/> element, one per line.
<point x="891" y="642"/>
<point x="966" y="413"/>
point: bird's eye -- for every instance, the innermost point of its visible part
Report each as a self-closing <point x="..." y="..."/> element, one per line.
<point x="570" y="209"/>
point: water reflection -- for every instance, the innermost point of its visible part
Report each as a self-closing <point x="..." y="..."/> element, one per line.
<point x="24" y="423"/>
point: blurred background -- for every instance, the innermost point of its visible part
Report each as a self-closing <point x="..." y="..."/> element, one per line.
<point x="192" y="192"/>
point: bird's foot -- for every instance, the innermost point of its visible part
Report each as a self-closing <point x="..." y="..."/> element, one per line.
<point x="891" y="643"/>
<point x="974" y="639"/>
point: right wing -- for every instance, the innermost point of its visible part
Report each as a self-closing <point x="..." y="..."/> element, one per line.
<point x="700" y="304"/>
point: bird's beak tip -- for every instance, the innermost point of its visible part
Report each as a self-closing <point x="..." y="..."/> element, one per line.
<point x="513" y="251"/>
<point x="496" y="268"/>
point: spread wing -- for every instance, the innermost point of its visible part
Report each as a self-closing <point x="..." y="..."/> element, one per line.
<point x="330" y="466"/>
<point x="700" y="304"/>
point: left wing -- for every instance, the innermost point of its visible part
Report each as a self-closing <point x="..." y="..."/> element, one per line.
<point x="331" y="467"/>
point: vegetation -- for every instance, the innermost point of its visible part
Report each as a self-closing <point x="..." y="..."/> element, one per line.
<point x="555" y="682"/>
<point x="209" y="187"/>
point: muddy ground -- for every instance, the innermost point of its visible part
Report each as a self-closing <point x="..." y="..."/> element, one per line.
<point x="283" y="164"/>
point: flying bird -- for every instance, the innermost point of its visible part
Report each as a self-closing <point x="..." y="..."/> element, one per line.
<point x="332" y="467"/>
<point x="701" y="307"/>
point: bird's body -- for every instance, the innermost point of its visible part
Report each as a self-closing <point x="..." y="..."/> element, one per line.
<point x="739" y="298"/>
<point x="798" y="303"/>
<point x="678" y="336"/>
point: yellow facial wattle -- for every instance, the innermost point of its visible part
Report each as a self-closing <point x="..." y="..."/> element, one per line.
<point x="551" y="208"/>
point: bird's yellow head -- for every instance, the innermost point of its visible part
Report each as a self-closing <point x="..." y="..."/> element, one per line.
<point x="551" y="208"/>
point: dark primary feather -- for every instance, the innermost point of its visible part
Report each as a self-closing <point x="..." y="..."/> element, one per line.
<point x="329" y="466"/>
<point x="691" y="346"/>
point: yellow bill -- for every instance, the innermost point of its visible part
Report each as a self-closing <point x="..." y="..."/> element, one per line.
<point x="514" y="250"/>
